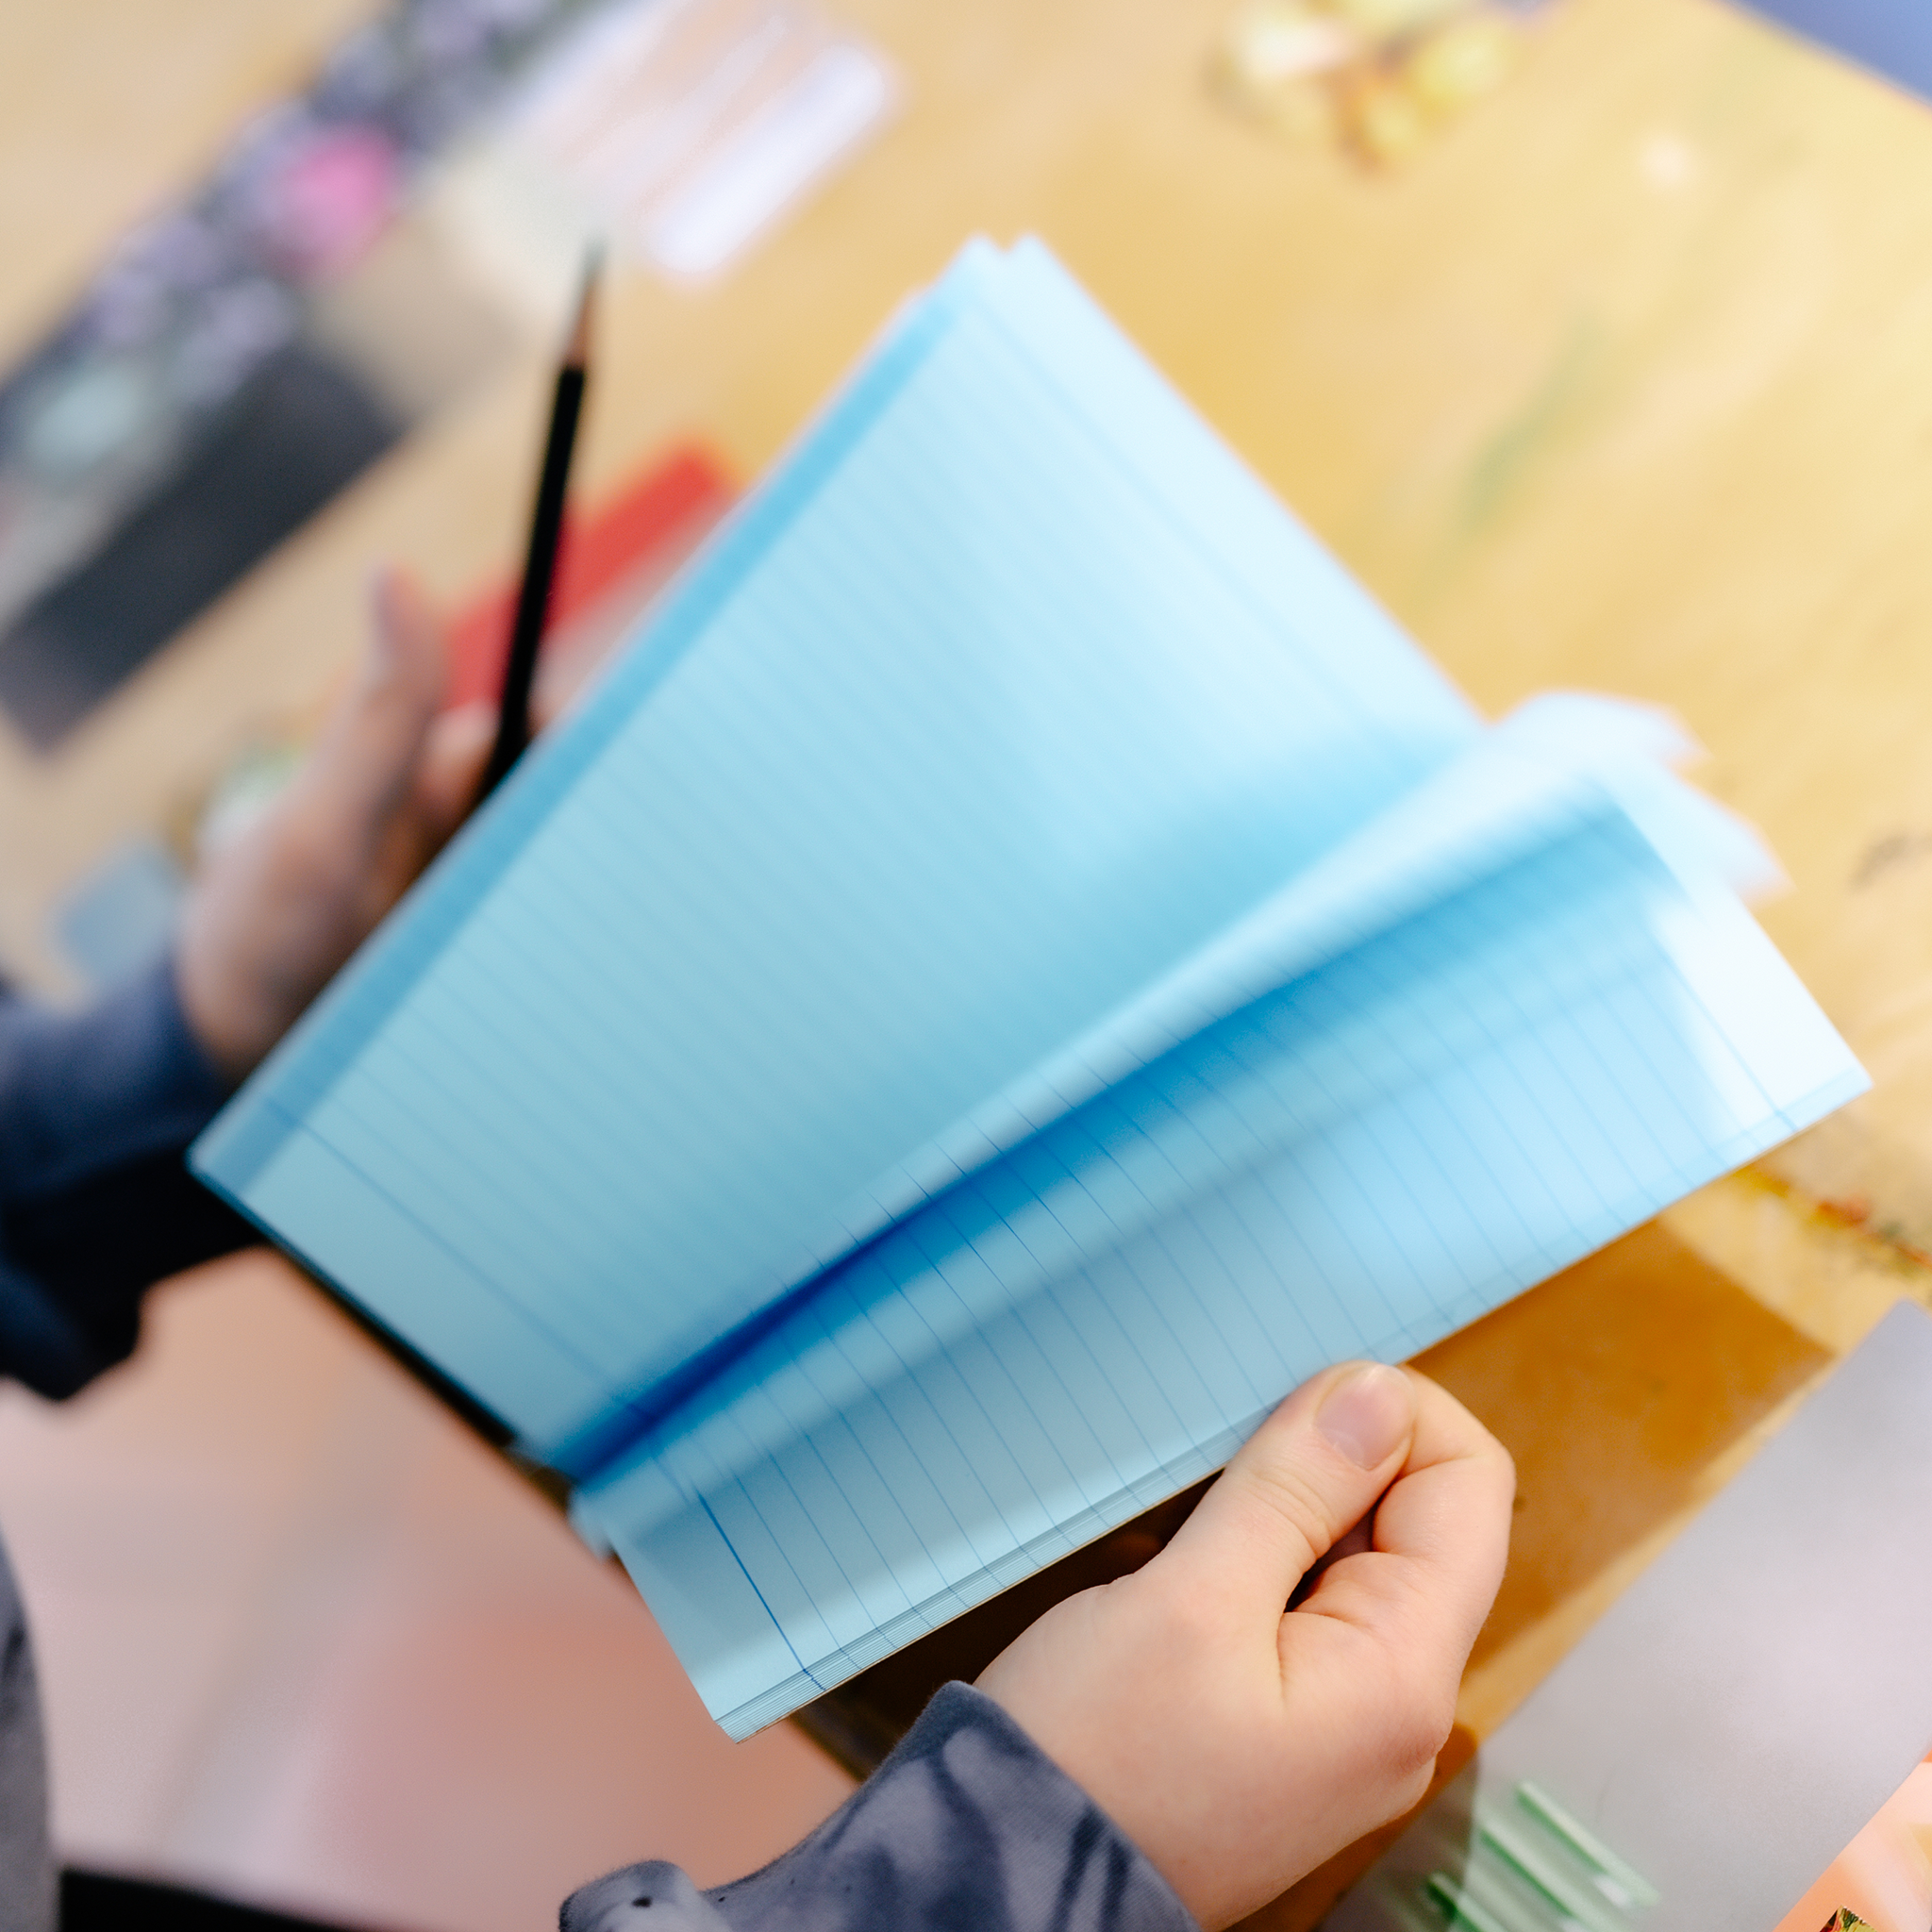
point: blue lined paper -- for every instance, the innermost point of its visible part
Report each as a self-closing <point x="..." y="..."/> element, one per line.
<point x="988" y="729"/>
<point x="1358" y="1164"/>
<point x="1020" y="963"/>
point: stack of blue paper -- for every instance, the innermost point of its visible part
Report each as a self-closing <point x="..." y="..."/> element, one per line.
<point x="1019" y="964"/>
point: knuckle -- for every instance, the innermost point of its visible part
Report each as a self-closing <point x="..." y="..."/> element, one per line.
<point x="1416" y="1714"/>
<point x="1504" y="1464"/>
<point x="1407" y="1792"/>
<point x="1289" y="1498"/>
<point x="1422" y="1727"/>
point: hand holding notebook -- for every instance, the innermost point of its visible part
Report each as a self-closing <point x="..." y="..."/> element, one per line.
<point x="1240" y="1748"/>
<point x="1018" y="965"/>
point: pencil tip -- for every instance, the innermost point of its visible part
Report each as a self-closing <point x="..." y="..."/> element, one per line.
<point x="577" y="353"/>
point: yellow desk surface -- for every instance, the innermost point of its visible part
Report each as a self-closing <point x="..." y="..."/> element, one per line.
<point x="1624" y="384"/>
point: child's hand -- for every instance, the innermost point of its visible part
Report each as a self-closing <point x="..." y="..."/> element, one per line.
<point x="1240" y="1746"/>
<point x="274" y="915"/>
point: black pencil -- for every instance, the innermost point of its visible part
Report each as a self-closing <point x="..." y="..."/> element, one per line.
<point x="539" y="562"/>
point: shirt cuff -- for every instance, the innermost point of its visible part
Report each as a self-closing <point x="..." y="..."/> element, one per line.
<point x="84" y="1092"/>
<point x="96" y="1110"/>
<point x="968" y="1823"/>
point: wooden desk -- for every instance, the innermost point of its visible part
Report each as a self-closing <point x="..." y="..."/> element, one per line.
<point x="1623" y="386"/>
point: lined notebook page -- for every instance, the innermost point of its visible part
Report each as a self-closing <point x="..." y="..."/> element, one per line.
<point x="1509" y="793"/>
<point x="1358" y="1164"/>
<point x="1010" y="690"/>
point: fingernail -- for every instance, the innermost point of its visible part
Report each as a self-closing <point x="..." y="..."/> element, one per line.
<point x="1368" y="1414"/>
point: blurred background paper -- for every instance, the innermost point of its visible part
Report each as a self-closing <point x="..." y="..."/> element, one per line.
<point x="243" y="356"/>
<point x="1885" y="1875"/>
<point x="362" y="256"/>
<point x="1735" y="1719"/>
<point x="685" y="128"/>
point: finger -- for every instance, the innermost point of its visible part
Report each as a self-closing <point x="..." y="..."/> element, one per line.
<point x="572" y="662"/>
<point x="409" y="649"/>
<point x="564" y="672"/>
<point x="367" y="755"/>
<point x="459" y="747"/>
<point x="1441" y="1538"/>
<point x="1307" y="1475"/>
<point x="1362" y="1537"/>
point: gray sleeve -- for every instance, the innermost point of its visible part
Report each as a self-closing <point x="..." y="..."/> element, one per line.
<point x="27" y="1864"/>
<point x="96" y="1112"/>
<point x="967" y="1824"/>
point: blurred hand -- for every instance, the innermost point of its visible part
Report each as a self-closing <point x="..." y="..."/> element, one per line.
<point x="273" y="915"/>
<point x="1239" y="1743"/>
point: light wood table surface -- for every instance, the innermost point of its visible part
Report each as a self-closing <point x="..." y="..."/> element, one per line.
<point x="1623" y="385"/>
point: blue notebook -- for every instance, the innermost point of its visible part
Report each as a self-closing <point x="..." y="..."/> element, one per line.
<point x="1018" y="963"/>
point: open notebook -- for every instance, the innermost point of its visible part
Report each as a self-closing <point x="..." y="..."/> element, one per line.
<point x="1018" y="963"/>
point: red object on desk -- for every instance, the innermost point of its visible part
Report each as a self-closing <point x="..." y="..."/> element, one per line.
<point x="654" y="518"/>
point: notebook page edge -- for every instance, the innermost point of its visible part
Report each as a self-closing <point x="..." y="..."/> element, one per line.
<point x="347" y="1014"/>
<point x="1311" y="920"/>
<point x="1231" y="510"/>
<point x="1540" y="803"/>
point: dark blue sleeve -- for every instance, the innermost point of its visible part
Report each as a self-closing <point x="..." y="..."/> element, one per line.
<point x="968" y="1823"/>
<point x="96" y="1112"/>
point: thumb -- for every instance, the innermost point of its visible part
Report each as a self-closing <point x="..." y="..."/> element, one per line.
<point x="367" y="757"/>
<point x="1306" y="1477"/>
